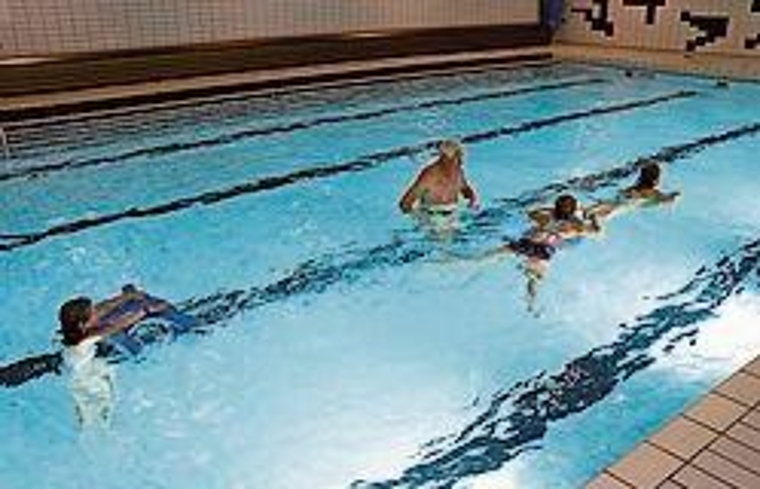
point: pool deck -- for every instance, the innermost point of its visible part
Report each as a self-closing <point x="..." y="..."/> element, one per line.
<point x="713" y="444"/>
<point x="738" y="67"/>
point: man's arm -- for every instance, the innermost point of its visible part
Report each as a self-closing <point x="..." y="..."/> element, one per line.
<point x="469" y="193"/>
<point x="412" y="194"/>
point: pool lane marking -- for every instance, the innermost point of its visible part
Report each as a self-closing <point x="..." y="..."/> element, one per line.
<point x="362" y="163"/>
<point x="235" y="137"/>
<point x="318" y="274"/>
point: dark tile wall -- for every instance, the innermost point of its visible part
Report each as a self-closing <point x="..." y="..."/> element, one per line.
<point x="725" y="26"/>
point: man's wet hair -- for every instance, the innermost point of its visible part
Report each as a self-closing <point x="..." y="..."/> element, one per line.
<point x="649" y="176"/>
<point x="451" y="148"/>
<point x="72" y="315"/>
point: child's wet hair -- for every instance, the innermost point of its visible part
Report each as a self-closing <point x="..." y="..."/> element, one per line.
<point x="565" y="206"/>
<point x="649" y="176"/>
<point x="72" y="315"/>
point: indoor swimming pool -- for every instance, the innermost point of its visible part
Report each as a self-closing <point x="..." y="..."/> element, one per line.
<point x="340" y="344"/>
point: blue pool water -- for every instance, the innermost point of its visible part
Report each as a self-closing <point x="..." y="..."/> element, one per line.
<point x="344" y="348"/>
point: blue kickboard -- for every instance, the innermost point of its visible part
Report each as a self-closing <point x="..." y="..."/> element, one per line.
<point x="171" y="323"/>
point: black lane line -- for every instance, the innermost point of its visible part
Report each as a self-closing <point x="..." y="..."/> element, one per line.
<point x="20" y="240"/>
<point x="319" y="274"/>
<point x="234" y="137"/>
<point x="516" y="418"/>
<point x="495" y="66"/>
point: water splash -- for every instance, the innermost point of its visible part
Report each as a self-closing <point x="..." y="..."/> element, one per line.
<point x="517" y="417"/>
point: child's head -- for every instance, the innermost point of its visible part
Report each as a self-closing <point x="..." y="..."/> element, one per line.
<point x="73" y="316"/>
<point x="128" y="289"/>
<point x="649" y="177"/>
<point x="565" y="207"/>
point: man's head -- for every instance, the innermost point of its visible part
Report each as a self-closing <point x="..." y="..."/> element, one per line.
<point x="73" y="316"/>
<point x="649" y="177"/>
<point x="451" y="149"/>
<point x="565" y="207"/>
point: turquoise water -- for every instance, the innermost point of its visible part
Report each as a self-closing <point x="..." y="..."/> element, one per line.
<point x="346" y="348"/>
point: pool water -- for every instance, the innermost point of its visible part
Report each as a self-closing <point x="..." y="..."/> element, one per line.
<point x="342" y="345"/>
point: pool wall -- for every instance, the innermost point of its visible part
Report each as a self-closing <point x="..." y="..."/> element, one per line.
<point x="43" y="27"/>
<point x="45" y="47"/>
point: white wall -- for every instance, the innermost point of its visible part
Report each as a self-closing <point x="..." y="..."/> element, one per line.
<point x="30" y="27"/>
<point x="670" y="31"/>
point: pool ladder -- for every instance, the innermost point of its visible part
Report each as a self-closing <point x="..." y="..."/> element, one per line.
<point x="4" y="142"/>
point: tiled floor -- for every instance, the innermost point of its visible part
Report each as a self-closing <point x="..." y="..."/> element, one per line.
<point x="715" y="444"/>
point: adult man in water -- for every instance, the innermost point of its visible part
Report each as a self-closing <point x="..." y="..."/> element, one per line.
<point x="438" y="186"/>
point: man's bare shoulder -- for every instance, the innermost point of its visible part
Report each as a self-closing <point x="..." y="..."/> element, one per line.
<point x="431" y="170"/>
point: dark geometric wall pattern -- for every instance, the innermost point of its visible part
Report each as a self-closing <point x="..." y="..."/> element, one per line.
<point x="728" y="25"/>
<point x="712" y="27"/>
<point x="600" y="22"/>
<point x="753" y="42"/>
<point x="691" y="25"/>
<point x="651" y="6"/>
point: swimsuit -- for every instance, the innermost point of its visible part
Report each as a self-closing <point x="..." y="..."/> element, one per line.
<point x="532" y="249"/>
<point x="543" y="243"/>
<point x="439" y="218"/>
<point x="439" y="209"/>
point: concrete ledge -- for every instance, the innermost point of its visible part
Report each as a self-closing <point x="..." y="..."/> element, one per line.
<point x="745" y="67"/>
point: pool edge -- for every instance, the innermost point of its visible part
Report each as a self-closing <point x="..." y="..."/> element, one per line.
<point x="713" y="443"/>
